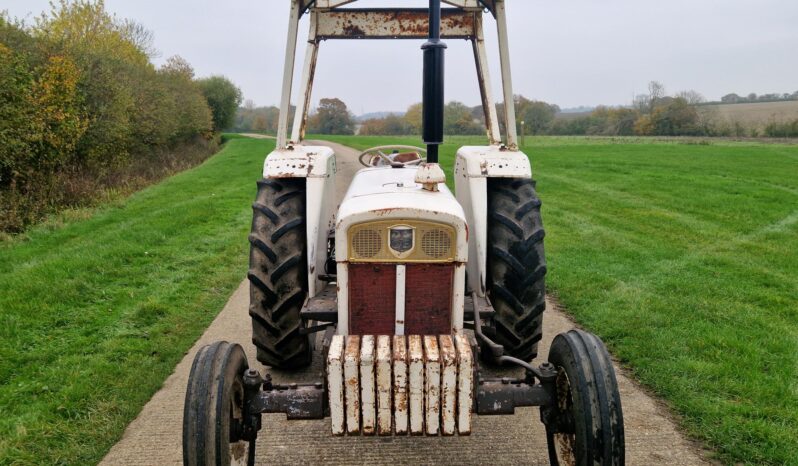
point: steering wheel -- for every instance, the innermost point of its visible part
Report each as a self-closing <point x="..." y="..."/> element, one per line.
<point x="386" y="154"/>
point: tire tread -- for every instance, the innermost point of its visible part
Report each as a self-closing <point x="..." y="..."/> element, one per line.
<point x="278" y="273"/>
<point x="516" y="266"/>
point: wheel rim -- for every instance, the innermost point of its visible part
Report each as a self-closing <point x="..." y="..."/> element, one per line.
<point x="238" y="449"/>
<point x="565" y="442"/>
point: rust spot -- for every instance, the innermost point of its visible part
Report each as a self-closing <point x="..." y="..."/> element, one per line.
<point x="385" y="211"/>
<point x="353" y="30"/>
<point x="401" y="402"/>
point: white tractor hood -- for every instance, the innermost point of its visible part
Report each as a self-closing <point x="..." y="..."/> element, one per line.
<point x="391" y="193"/>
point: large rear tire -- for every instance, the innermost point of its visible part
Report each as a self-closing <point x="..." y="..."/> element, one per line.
<point x="516" y="266"/>
<point x="278" y="273"/>
<point x="213" y="412"/>
<point x="585" y="427"/>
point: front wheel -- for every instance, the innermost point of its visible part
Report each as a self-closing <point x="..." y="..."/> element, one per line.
<point x="213" y="413"/>
<point x="585" y="426"/>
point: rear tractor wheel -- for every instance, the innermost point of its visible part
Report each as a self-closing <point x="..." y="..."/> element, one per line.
<point x="516" y="266"/>
<point x="585" y="425"/>
<point x="278" y="273"/>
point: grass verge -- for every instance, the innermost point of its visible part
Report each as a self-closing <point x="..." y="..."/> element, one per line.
<point x="96" y="312"/>
<point x="683" y="257"/>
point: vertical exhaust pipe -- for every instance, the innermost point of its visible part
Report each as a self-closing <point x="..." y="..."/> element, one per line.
<point x="432" y="115"/>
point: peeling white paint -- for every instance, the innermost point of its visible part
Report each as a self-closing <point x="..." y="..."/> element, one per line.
<point x="335" y="384"/>
<point x="400" y="384"/>
<point x="352" y="384"/>
<point x="448" y="385"/>
<point x="432" y="385"/>
<point x="416" y="352"/>
<point x="400" y="396"/>
<point x="465" y="384"/>
<point x="384" y="385"/>
<point x="368" y="403"/>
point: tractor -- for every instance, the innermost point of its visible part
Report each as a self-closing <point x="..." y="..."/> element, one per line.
<point x="406" y="290"/>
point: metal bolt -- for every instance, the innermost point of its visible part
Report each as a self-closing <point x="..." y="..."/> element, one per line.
<point x="252" y="378"/>
<point x="267" y="382"/>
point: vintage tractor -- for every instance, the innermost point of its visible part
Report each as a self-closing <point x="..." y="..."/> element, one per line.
<point x="405" y="286"/>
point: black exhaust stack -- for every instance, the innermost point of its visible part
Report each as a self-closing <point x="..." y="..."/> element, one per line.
<point x="433" y="83"/>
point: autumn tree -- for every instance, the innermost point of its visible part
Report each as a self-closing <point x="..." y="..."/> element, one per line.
<point x="457" y="119"/>
<point x="331" y="117"/>
<point x="80" y="96"/>
<point x="537" y="116"/>
<point x="223" y="98"/>
<point x="413" y="117"/>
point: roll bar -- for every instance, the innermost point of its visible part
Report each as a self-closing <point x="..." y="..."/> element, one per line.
<point x="464" y="21"/>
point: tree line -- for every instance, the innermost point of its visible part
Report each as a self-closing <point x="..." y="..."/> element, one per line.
<point x="654" y="113"/>
<point x="685" y="113"/>
<point x="753" y="98"/>
<point x="83" y="110"/>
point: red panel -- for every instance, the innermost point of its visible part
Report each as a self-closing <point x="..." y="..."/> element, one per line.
<point x="428" y="299"/>
<point x="372" y="299"/>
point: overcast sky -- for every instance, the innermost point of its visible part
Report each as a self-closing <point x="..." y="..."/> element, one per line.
<point x="568" y="52"/>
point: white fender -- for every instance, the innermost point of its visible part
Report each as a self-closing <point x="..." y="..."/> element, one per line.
<point x="473" y="166"/>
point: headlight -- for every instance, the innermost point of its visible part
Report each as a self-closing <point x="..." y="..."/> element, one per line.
<point x="401" y="241"/>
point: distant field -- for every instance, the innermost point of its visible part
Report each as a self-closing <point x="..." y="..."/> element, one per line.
<point x="754" y="114"/>
<point x="684" y="258"/>
<point x="758" y="113"/>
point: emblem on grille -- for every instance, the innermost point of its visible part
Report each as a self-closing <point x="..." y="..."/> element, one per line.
<point x="401" y="239"/>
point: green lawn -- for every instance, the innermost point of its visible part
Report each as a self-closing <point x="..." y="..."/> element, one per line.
<point x="95" y="314"/>
<point x="684" y="259"/>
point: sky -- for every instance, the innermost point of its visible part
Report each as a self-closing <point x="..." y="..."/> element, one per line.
<point x="568" y="52"/>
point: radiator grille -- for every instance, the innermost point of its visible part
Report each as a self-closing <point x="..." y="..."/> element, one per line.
<point x="372" y="299"/>
<point x="367" y="243"/>
<point x="428" y="298"/>
<point x="436" y="243"/>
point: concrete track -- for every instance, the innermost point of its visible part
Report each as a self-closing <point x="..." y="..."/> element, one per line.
<point x="154" y="437"/>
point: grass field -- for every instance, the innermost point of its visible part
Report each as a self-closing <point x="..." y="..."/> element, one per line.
<point x="684" y="259"/>
<point x="96" y="312"/>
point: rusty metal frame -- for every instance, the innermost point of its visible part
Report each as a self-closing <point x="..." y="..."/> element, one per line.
<point x="308" y="73"/>
<point x="393" y="23"/>
<point x="328" y="21"/>
<point x="490" y="5"/>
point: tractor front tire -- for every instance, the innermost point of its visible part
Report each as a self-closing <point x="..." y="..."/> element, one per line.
<point x="585" y="426"/>
<point x="516" y="266"/>
<point x="278" y="273"/>
<point x="213" y="413"/>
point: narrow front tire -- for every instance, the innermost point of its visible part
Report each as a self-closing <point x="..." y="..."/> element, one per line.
<point x="213" y="413"/>
<point x="585" y="426"/>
